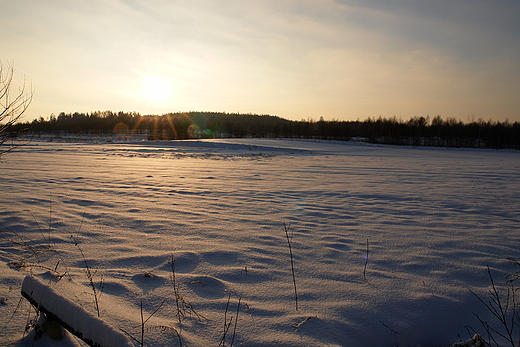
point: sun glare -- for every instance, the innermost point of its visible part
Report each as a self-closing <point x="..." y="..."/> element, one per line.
<point x="156" y="89"/>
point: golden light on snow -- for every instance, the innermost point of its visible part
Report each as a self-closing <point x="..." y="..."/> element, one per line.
<point x="215" y="209"/>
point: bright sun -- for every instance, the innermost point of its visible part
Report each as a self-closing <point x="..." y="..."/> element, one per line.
<point x="156" y="89"/>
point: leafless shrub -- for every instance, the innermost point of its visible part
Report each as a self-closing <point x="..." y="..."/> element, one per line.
<point x="504" y="310"/>
<point x="514" y="276"/>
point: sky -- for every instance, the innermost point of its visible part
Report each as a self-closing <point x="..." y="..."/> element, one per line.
<point x="306" y="59"/>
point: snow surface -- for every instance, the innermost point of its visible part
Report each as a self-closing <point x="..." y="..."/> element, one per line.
<point x="433" y="219"/>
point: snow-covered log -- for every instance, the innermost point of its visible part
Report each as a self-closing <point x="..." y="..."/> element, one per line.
<point x="476" y="341"/>
<point x="89" y="328"/>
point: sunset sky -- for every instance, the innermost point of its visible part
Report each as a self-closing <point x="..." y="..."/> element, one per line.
<point x="343" y="59"/>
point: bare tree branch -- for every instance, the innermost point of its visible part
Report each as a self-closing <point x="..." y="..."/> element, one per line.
<point x="12" y="107"/>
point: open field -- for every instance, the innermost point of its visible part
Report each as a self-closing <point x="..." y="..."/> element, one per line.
<point x="433" y="220"/>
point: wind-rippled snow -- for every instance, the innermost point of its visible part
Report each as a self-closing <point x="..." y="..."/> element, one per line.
<point x="433" y="220"/>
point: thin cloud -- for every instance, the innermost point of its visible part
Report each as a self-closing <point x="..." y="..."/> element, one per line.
<point x="297" y="59"/>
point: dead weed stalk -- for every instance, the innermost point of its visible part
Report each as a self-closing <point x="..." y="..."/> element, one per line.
<point x="228" y="323"/>
<point x="96" y="289"/>
<point x="182" y="306"/>
<point x="286" y="228"/>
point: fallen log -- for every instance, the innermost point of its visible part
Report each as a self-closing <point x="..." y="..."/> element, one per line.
<point x="89" y="328"/>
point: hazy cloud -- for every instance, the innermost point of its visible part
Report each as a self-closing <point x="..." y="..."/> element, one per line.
<point x="296" y="59"/>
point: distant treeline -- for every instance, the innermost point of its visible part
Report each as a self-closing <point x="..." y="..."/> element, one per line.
<point x="418" y="131"/>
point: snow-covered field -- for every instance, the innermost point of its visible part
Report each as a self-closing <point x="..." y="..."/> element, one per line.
<point x="433" y="220"/>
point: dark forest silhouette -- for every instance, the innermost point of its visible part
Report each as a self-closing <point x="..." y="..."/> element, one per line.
<point x="417" y="131"/>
